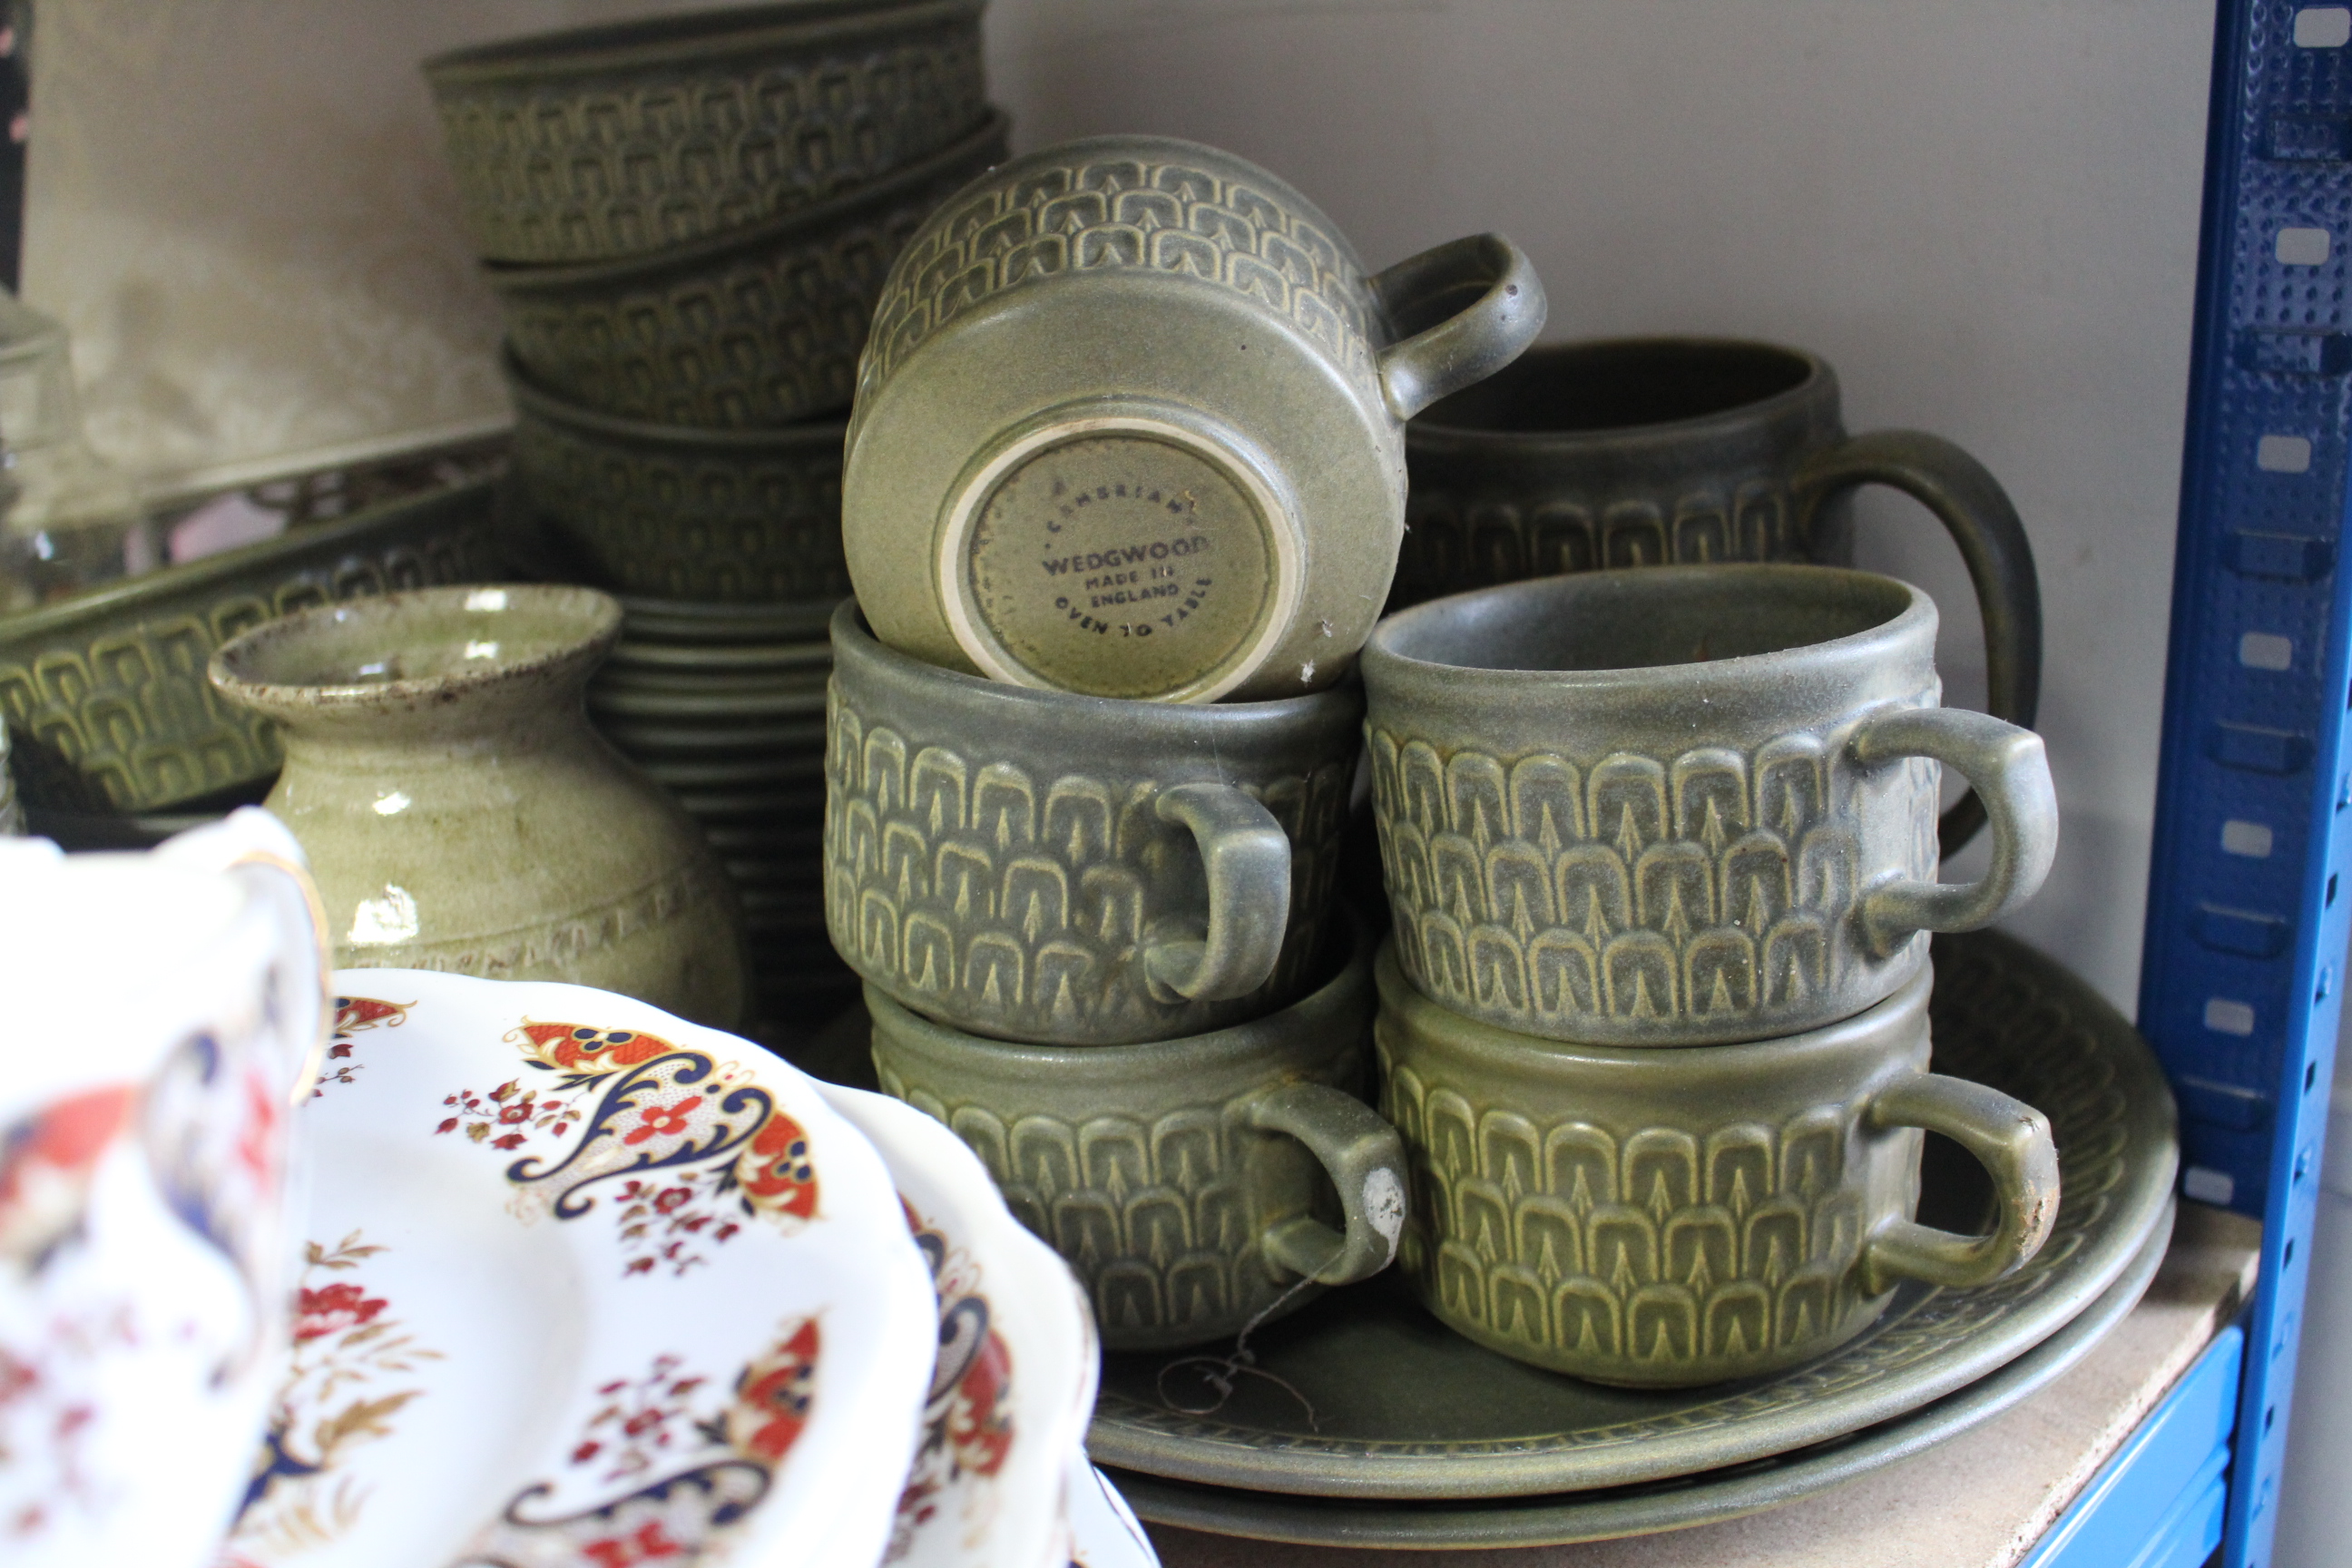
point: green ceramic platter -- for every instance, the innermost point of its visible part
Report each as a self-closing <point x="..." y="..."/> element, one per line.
<point x="793" y="776"/>
<point x="692" y="621"/>
<point x="683" y="740"/>
<point x="1403" y="1408"/>
<point x="721" y="711"/>
<point x="1602" y="1515"/>
<point x="640" y="684"/>
<point x="725" y="659"/>
<point x="748" y="807"/>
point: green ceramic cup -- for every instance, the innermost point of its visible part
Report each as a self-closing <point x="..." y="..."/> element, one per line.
<point x="1657" y="451"/>
<point x="1682" y="806"/>
<point x="1131" y="421"/>
<point x="1197" y="1186"/>
<point x="1667" y="1219"/>
<point x="1076" y="870"/>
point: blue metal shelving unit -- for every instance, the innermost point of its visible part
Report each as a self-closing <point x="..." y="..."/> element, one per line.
<point x="2250" y="886"/>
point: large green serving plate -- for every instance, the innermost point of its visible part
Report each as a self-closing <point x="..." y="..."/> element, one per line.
<point x="1363" y="1395"/>
<point x="1677" y="1504"/>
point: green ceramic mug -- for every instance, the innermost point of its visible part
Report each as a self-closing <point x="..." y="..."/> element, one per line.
<point x="1657" y="451"/>
<point x="1078" y="870"/>
<point x="1667" y="1218"/>
<point x="1130" y="423"/>
<point x="1682" y="806"/>
<point x="1196" y="1186"/>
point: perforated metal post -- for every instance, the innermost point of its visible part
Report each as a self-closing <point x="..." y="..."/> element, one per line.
<point x="2249" y="886"/>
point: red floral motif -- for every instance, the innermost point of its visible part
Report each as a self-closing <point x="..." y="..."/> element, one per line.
<point x="355" y="1015"/>
<point x="777" y="1172"/>
<point x="968" y="1428"/>
<point x="46" y="1164"/>
<point x="317" y="1314"/>
<point x="664" y="1120"/>
<point x="667" y="1217"/>
<point x="335" y="1397"/>
<point x="581" y="1047"/>
<point x="772" y="1397"/>
<point x="645" y="1433"/>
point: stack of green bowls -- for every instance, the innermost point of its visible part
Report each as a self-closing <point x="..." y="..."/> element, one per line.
<point x="687" y="221"/>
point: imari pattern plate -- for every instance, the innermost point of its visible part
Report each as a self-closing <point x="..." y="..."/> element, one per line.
<point x="585" y="1286"/>
<point x="993" y="1484"/>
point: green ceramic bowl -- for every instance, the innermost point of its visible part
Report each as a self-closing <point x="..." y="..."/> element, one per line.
<point x="681" y="513"/>
<point x="604" y="141"/>
<point x="760" y="326"/>
<point x="105" y="694"/>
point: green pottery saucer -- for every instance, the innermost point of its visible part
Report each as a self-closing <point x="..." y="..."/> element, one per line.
<point x="722" y="658"/>
<point x="681" y="740"/>
<point x="723" y="711"/>
<point x="1602" y="1515"/>
<point x="1403" y="1408"/>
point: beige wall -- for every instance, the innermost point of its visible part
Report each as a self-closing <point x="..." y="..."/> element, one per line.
<point x="1984" y="213"/>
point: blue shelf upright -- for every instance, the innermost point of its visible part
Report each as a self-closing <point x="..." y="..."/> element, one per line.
<point x="2250" y="886"/>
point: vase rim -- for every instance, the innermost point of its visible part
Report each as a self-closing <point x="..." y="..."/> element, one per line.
<point x="350" y="655"/>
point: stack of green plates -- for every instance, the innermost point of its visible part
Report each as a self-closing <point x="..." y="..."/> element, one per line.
<point x="724" y="704"/>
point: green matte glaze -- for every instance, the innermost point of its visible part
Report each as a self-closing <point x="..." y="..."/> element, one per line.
<point x="1196" y="1186"/>
<point x="1130" y="423"/>
<point x="1681" y="806"/>
<point x="602" y="142"/>
<point x="1446" y="1419"/>
<point x="458" y="812"/>
<point x="1666" y="1219"/>
<point x="752" y="327"/>
<point x="105" y="692"/>
<point x="1078" y="870"/>
<point x="1650" y="451"/>
<point x="675" y="513"/>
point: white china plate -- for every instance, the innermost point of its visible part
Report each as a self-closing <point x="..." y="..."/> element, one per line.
<point x="1001" y="1478"/>
<point x="1014" y="1384"/>
<point x="587" y="1285"/>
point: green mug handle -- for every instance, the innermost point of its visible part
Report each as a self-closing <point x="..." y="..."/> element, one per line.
<point x="1365" y="1160"/>
<point x="2012" y="1141"/>
<point x="2011" y="770"/>
<point x="1245" y="857"/>
<point x="1486" y="302"/>
<point x="1978" y="514"/>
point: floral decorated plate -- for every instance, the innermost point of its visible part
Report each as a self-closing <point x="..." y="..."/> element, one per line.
<point x="587" y="1287"/>
<point x="1014" y="1384"/>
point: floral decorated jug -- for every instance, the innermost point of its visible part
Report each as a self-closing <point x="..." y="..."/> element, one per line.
<point x="160" y="1014"/>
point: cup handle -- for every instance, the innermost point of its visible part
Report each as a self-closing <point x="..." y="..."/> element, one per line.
<point x="2012" y="1141"/>
<point x="1477" y="336"/>
<point x="251" y="840"/>
<point x="1365" y="1160"/>
<point x="1978" y="514"/>
<point x="1246" y="857"/>
<point x="2011" y="770"/>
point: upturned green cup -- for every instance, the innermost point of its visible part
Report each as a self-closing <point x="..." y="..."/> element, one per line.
<point x="1667" y="1219"/>
<point x="1683" y="805"/>
<point x="1196" y="1186"/>
<point x="1076" y="870"/>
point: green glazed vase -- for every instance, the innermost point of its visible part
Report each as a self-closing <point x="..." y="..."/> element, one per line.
<point x="460" y="815"/>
